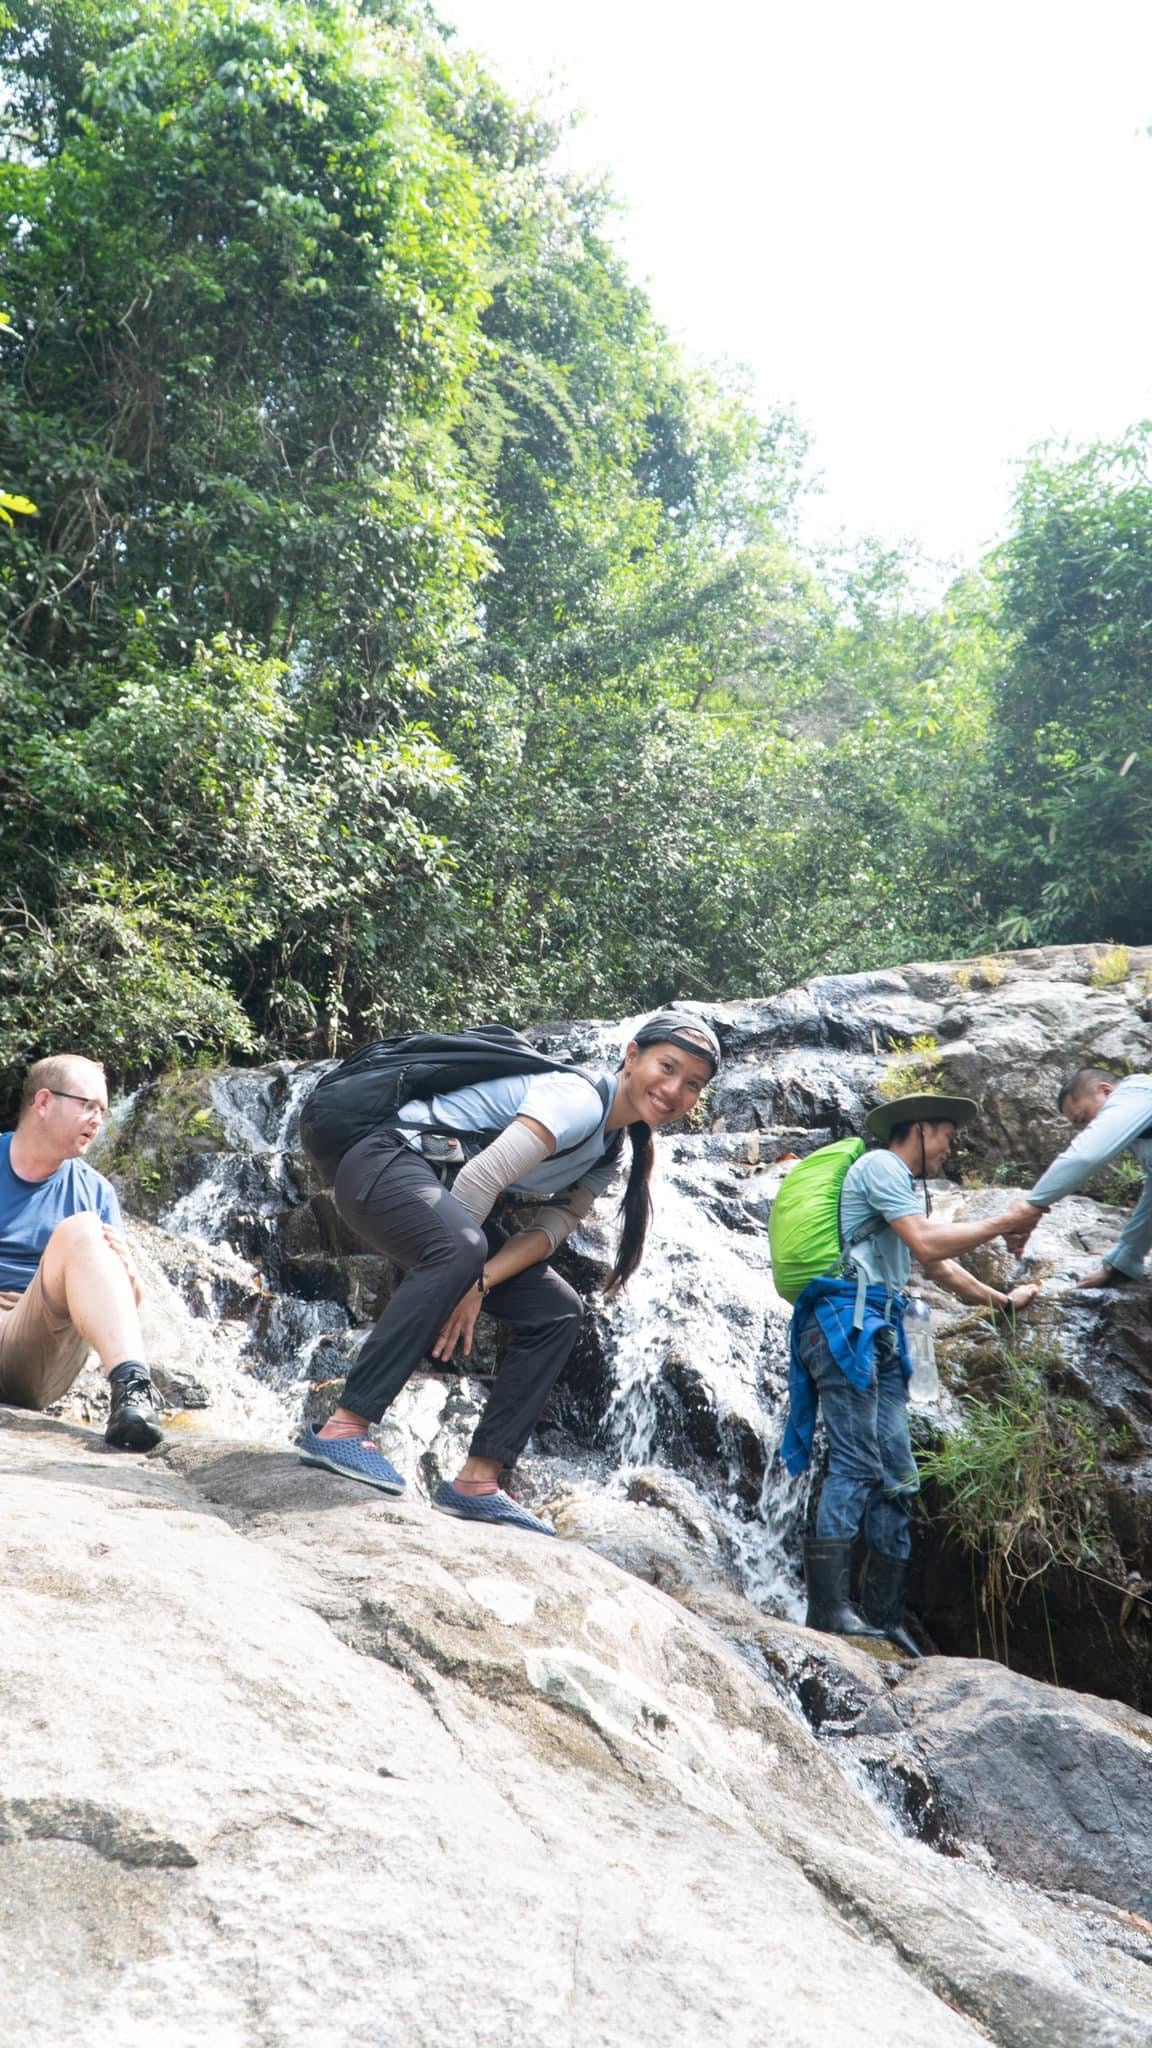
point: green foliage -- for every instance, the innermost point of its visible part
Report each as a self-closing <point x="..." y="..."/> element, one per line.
<point x="912" y="1069"/>
<point x="407" y="633"/>
<point x="117" y="976"/>
<point x="1072" y="734"/>
<point x="241" y="401"/>
<point x="1110" y="966"/>
<point x="147" y="1150"/>
<point x="1019" y="1486"/>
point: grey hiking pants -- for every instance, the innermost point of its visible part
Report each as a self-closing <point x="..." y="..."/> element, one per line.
<point x="391" y="1197"/>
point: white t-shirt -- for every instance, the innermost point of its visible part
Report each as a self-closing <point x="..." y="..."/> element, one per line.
<point x="567" y="1105"/>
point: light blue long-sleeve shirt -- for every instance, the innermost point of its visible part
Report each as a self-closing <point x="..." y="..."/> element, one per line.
<point x="1124" y="1124"/>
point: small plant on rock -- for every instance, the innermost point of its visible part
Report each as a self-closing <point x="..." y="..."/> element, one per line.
<point x="1110" y="967"/>
<point x="991" y="971"/>
<point x="913" y="1069"/>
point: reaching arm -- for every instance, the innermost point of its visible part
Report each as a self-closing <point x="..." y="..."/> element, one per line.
<point x="1127" y="1112"/>
<point x="525" y="1249"/>
<point x="523" y="1145"/>
<point x="966" y="1287"/>
<point x="549" y="1226"/>
<point x="930" y="1242"/>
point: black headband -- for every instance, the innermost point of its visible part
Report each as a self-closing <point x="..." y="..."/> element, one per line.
<point x="674" y="1032"/>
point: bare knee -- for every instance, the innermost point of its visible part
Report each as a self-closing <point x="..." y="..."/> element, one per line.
<point x="76" y="1234"/>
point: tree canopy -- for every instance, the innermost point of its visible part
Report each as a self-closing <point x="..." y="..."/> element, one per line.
<point x="398" y="629"/>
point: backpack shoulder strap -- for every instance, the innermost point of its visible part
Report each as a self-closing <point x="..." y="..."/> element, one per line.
<point x="603" y="1089"/>
<point x="871" y="1227"/>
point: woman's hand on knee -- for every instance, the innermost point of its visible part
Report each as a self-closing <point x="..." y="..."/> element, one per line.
<point x="459" y="1327"/>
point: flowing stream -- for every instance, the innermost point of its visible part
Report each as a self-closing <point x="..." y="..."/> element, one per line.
<point x="693" y="1356"/>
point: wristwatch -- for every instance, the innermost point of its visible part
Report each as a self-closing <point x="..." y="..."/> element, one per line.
<point x="483" y="1284"/>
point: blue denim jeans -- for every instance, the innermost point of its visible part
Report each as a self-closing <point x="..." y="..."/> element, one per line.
<point x="871" y="1471"/>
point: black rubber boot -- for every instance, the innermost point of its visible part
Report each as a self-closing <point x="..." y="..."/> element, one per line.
<point x="133" y="1418"/>
<point x="883" y="1584"/>
<point x="828" y="1577"/>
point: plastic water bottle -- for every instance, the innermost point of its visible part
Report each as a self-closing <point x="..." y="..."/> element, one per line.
<point x="925" y="1382"/>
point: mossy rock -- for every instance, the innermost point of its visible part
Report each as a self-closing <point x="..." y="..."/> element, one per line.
<point x="151" y="1153"/>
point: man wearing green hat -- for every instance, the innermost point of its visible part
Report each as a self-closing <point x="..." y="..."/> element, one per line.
<point x="849" y="1354"/>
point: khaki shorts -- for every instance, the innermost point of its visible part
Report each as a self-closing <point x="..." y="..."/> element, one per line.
<point x="40" y="1352"/>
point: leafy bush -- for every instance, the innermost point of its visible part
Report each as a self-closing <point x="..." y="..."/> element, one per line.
<point x="116" y="977"/>
<point x="406" y="633"/>
<point x="1019" y="1486"/>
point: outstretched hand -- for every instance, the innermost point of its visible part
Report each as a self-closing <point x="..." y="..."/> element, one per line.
<point x="1022" y="1296"/>
<point x="1018" y="1223"/>
<point x="459" y="1327"/>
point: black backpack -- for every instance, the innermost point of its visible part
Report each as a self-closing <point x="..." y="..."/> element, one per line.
<point x="371" y="1086"/>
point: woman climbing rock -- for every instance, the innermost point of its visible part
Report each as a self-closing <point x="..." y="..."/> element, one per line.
<point x="551" y="1144"/>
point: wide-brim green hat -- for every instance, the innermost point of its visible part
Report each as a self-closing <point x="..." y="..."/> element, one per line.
<point x="920" y="1109"/>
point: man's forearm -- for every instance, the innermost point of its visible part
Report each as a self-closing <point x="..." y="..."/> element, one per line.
<point x="964" y="1285"/>
<point x="933" y="1241"/>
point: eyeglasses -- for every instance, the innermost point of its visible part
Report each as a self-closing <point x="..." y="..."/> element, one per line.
<point x="91" y="1109"/>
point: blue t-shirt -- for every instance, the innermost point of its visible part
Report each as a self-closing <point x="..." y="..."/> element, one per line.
<point x="567" y="1105"/>
<point x="879" y="1184"/>
<point x="31" y="1209"/>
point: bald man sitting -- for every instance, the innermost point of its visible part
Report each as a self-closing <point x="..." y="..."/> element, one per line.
<point x="67" y="1282"/>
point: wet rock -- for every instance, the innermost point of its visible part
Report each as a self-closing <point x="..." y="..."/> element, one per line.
<point x="1054" y="1786"/>
<point x="154" y="1145"/>
<point x="662" y="1530"/>
<point x="117" y="1836"/>
<point x="817" y="1055"/>
<point x="179" y="1389"/>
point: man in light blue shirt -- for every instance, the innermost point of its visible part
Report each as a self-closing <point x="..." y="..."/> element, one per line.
<point x="1111" y="1117"/>
<point x="849" y="1355"/>
<point x="67" y="1282"/>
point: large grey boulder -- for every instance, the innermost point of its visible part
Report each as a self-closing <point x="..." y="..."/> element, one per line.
<point x="1004" y="1032"/>
<point x="286" y="1763"/>
<point x="1054" y="1785"/>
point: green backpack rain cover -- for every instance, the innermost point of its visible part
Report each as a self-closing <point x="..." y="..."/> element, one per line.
<point x="804" y="1226"/>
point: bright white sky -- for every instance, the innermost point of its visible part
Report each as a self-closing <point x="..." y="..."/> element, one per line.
<point x="923" y="223"/>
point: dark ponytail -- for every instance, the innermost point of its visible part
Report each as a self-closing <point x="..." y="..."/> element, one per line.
<point x="636" y="1209"/>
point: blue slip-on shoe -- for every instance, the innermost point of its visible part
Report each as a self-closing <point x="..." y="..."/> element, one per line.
<point x="488" y="1507"/>
<point x="354" y="1457"/>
